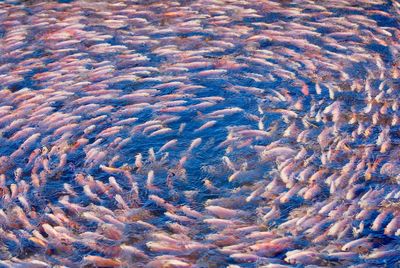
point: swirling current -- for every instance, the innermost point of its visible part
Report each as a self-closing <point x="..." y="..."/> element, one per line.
<point x="199" y="133"/>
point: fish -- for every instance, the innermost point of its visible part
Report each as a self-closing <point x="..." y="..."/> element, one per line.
<point x="216" y="133"/>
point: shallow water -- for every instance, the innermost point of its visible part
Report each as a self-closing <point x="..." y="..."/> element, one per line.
<point x="275" y="121"/>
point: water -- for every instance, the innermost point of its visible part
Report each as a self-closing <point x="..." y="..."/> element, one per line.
<point x="282" y="116"/>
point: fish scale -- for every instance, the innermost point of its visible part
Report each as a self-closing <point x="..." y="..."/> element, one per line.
<point x="199" y="133"/>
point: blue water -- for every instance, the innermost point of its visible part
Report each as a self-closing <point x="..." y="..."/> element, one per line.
<point x="278" y="75"/>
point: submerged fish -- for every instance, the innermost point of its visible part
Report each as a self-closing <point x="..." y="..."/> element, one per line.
<point x="199" y="133"/>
